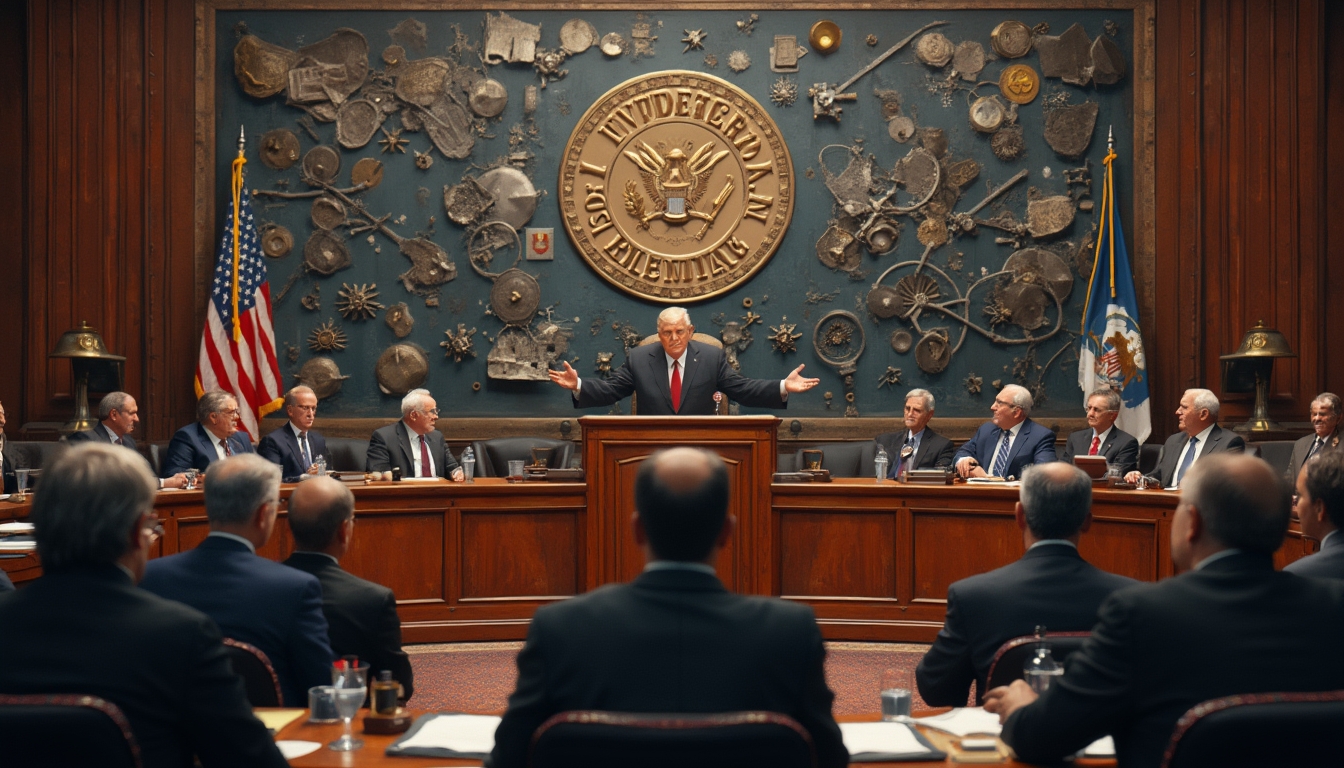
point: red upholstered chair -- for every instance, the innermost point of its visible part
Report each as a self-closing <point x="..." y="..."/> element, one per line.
<point x="1012" y="656"/>
<point x="593" y="739"/>
<point x="1259" y="729"/>
<point x="259" y="678"/>
<point x="65" y="730"/>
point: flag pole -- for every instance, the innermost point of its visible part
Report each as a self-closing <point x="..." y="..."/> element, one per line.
<point x="237" y="183"/>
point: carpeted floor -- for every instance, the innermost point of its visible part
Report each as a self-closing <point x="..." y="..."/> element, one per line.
<point x="478" y="677"/>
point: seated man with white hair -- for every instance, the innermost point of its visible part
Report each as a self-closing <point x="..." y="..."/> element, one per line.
<point x="1200" y="436"/>
<point x="1009" y="442"/>
<point x="414" y="444"/>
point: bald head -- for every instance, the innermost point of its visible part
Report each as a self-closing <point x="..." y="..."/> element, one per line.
<point x="1241" y="501"/>
<point x="317" y="509"/>
<point x="681" y="495"/>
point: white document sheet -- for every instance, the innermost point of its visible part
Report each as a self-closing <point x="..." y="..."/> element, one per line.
<point x="293" y="748"/>
<point x="888" y="738"/>
<point x="16" y="527"/>
<point x="460" y="733"/>
<point x="964" y="721"/>
<point x="1103" y="747"/>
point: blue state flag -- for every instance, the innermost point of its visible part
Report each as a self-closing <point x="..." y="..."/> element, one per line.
<point x="1112" y="353"/>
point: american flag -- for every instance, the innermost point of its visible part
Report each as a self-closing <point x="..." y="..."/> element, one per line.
<point x="238" y="344"/>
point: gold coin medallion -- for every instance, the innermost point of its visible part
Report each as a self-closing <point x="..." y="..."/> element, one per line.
<point x="1020" y="84"/>
<point x="676" y="186"/>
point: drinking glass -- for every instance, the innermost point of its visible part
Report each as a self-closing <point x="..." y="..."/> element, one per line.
<point x="191" y="479"/>
<point x="351" y="685"/>
<point x="21" y="482"/>
<point x="516" y="468"/>
<point x="897" y="694"/>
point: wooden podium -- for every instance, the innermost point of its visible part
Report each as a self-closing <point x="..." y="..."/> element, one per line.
<point x="615" y="446"/>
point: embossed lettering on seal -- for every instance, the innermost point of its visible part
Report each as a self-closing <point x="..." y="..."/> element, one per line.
<point x="676" y="186"/>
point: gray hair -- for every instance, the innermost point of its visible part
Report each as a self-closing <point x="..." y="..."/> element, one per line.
<point x="235" y="487"/>
<point x="1243" y="502"/>
<point x="292" y="396"/>
<point x="1112" y="397"/>
<point x="674" y="315"/>
<point x="414" y="401"/>
<point x="112" y="401"/>
<point x="92" y="496"/>
<point x="1055" y="507"/>
<point x="924" y="393"/>
<point x="1329" y="398"/>
<point x="212" y="402"/>
<point x="1020" y="397"/>
<point x="1204" y="399"/>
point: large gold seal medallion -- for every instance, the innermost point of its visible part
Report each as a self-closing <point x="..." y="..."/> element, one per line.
<point x="676" y="186"/>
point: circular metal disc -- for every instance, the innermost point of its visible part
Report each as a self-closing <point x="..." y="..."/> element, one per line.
<point x="328" y="212"/>
<point x="881" y="239"/>
<point x="325" y="253"/>
<point x="356" y="122"/>
<point x="515" y="297"/>
<point x="401" y="368"/>
<point x="577" y="36"/>
<point x="969" y="59"/>
<point x="934" y="49"/>
<point x="398" y="318"/>
<point x="932" y="353"/>
<point x="1011" y="39"/>
<point x="883" y="302"/>
<point x="987" y="114"/>
<point x="613" y="44"/>
<point x="838" y="338"/>
<point x="279" y="149"/>
<point x="1019" y="84"/>
<point x="914" y="291"/>
<point x="1026" y="304"/>
<point x="901" y="341"/>
<point x="1042" y="267"/>
<point x="515" y="197"/>
<point x="901" y="128"/>
<point x="368" y="172"/>
<point x="933" y="231"/>
<point x="488" y="97"/>
<point x="276" y="241"/>
<point x="323" y="375"/>
<point x="321" y="164"/>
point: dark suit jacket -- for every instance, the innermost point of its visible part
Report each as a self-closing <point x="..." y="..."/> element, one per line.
<point x="1051" y="585"/>
<point x="192" y="448"/>
<point x="89" y="630"/>
<point x="390" y="447"/>
<point x="707" y="371"/>
<point x="1034" y="445"/>
<point x="99" y="434"/>
<point x="361" y="617"/>
<point x="670" y="641"/>
<point x="1120" y="448"/>
<point x="257" y="601"/>
<point x="1326" y="564"/>
<point x="934" y="450"/>
<point x="6" y="585"/>
<point x="282" y="447"/>
<point x="1236" y="626"/>
<point x="11" y="481"/>
<point x="1303" y="445"/>
<point x="1220" y="441"/>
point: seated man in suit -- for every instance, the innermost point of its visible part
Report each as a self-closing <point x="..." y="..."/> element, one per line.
<point x="296" y="446"/>
<point x="673" y="640"/>
<point x="84" y="627"/>
<point x="1229" y="624"/>
<point x="414" y="444"/>
<point x="252" y="599"/>
<point x="1010" y="442"/>
<point x="361" y="616"/>
<point x="1200" y="436"/>
<point x="212" y="437"/>
<point x="928" y="449"/>
<point x="1320" y="507"/>
<point x="1325" y="437"/>
<point x="1102" y="437"/>
<point x="1051" y="586"/>
<point x="679" y="376"/>
<point x="117" y="416"/>
<point x="6" y="464"/>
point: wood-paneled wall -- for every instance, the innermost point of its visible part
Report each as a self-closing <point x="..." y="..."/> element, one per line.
<point x="1249" y="96"/>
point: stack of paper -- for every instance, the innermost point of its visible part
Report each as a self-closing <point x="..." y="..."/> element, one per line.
<point x="881" y="742"/>
<point x="964" y="721"/>
<point x="445" y="735"/>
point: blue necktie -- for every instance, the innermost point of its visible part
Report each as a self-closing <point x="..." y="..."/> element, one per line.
<point x="1185" y="463"/>
<point x="1001" y="457"/>
<point x="307" y="455"/>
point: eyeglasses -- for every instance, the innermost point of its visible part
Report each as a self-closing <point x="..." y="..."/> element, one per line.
<point x="231" y="412"/>
<point x="1090" y="409"/>
<point x="430" y="411"/>
<point x="1004" y="404"/>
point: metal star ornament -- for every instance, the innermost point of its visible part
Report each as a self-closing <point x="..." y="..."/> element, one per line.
<point x="393" y="141"/>
<point x="694" y="40"/>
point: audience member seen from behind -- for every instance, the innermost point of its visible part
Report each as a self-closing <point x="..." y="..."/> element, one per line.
<point x="674" y="640"/>
<point x="361" y="615"/>
<point x="1320" y="507"/>
<point x="84" y="627"/>
<point x="213" y="436"/>
<point x="1229" y="624"/>
<point x="1051" y="585"/>
<point x="252" y="599"/>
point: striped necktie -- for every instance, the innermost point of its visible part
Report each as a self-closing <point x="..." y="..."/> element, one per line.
<point x="1001" y="456"/>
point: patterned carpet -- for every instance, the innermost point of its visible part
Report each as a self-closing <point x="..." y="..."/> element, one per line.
<point x="478" y="677"/>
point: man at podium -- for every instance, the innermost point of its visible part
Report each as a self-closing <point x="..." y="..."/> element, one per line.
<point x="679" y="376"/>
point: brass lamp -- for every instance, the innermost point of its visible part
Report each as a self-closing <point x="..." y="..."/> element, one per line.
<point x="94" y="367"/>
<point x="1251" y="366"/>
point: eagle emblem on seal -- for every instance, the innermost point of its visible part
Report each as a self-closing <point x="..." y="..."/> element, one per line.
<point x="675" y="182"/>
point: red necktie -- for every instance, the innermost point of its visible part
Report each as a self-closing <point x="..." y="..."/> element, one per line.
<point x="1096" y="443"/>
<point x="227" y="450"/>
<point x="424" y="457"/>
<point x="676" y="387"/>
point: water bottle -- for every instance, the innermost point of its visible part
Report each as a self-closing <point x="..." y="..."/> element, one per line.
<point x="881" y="462"/>
<point x="468" y="465"/>
<point x="1041" y="669"/>
<point x="321" y="465"/>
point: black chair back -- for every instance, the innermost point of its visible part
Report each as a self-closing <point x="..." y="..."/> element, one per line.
<point x="852" y="459"/>
<point x="347" y="454"/>
<point x="66" y="730"/>
<point x="1012" y="656"/>
<point x="1278" y="453"/>
<point x="493" y="456"/>
<point x="259" y="678"/>
<point x="1149" y="453"/>
<point x="591" y="739"/>
<point x="1259" y="729"/>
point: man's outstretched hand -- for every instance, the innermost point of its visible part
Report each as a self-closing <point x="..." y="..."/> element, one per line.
<point x="569" y="378"/>
<point x="794" y="382"/>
